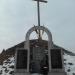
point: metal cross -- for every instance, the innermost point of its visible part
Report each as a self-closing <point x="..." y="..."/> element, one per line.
<point x="38" y="9"/>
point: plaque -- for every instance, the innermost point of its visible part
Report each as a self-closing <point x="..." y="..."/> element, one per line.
<point x="56" y="59"/>
<point x="21" y="62"/>
<point x="38" y="53"/>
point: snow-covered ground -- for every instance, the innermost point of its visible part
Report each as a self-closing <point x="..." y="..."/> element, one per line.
<point x="69" y="64"/>
<point x="8" y="66"/>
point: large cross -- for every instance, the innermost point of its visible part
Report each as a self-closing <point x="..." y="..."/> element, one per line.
<point x="38" y="9"/>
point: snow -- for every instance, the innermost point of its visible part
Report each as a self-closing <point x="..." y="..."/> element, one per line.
<point x="8" y="66"/>
<point x="69" y="64"/>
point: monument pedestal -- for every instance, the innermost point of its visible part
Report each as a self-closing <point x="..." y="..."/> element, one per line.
<point x="57" y="73"/>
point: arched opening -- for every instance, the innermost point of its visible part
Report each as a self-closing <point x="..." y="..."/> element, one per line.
<point x="39" y="60"/>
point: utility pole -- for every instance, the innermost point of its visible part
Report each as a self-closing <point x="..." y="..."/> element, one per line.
<point x="38" y="13"/>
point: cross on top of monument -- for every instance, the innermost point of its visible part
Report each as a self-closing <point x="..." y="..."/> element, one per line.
<point x="41" y="1"/>
<point x="38" y="10"/>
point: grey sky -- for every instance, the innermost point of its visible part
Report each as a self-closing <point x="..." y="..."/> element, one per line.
<point x="17" y="16"/>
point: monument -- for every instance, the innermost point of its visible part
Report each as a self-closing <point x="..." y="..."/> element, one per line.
<point x="36" y="60"/>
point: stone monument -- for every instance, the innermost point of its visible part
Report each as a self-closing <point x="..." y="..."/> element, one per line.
<point x="38" y="61"/>
<point x="24" y="63"/>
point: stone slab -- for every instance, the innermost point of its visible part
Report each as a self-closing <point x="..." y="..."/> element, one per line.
<point x="57" y="73"/>
<point x="23" y="73"/>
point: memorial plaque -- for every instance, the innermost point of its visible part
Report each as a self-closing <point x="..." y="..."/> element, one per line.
<point x="21" y="59"/>
<point x="38" y="53"/>
<point x="56" y="59"/>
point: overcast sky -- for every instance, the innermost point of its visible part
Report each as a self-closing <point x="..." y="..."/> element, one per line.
<point x="17" y="16"/>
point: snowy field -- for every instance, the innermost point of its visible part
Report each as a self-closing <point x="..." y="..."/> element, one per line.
<point x="8" y="66"/>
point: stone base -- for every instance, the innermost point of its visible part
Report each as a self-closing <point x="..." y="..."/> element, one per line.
<point x="22" y="73"/>
<point x="57" y="73"/>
